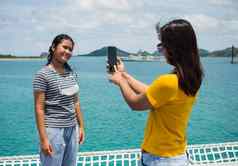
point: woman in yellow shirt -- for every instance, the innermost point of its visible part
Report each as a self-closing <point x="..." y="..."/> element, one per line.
<point x="169" y="98"/>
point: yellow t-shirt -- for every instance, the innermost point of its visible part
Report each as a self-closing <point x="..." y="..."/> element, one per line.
<point x="165" y="132"/>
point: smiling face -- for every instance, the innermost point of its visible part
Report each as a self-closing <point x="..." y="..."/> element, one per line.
<point x="63" y="51"/>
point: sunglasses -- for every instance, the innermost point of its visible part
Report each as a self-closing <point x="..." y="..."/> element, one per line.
<point x="160" y="47"/>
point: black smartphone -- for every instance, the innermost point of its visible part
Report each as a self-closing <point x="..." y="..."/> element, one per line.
<point x="111" y="58"/>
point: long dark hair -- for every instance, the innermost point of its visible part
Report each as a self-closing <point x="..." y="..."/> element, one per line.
<point x="57" y="40"/>
<point x="179" y="40"/>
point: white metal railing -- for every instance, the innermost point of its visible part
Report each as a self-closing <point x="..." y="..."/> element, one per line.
<point x="201" y="154"/>
<point x="226" y="153"/>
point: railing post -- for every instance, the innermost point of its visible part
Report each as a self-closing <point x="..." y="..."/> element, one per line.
<point x="232" y="54"/>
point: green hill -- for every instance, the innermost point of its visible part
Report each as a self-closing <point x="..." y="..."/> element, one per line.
<point x="103" y="52"/>
<point x="98" y="52"/>
<point x="224" y="53"/>
<point x="203" y="52"/>
<point x="7" y="56"/>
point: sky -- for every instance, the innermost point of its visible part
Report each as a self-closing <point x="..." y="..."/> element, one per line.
<point x="27" y="27"/>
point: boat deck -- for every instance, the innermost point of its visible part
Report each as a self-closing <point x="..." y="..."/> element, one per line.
<point x="223" y="154"/>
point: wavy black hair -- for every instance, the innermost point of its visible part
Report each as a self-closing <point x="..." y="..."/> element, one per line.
<point x="179" y="40"/>
<point x="57" y="40"/>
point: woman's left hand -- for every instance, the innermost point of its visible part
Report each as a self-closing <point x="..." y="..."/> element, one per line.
<point x="81" y="135"/>
<point x="120" y="65"/>
<point x="116" y="77"/>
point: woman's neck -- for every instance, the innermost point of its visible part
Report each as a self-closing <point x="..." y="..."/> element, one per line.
<point x="57" y="66"/>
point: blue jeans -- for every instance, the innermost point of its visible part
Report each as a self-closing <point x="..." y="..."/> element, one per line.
<point x="152" y="160"/>
<point x="64" y="142"/>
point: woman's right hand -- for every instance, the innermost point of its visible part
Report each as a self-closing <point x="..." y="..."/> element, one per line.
<point x="120" y="65"/>
<point x="46" y="148"/>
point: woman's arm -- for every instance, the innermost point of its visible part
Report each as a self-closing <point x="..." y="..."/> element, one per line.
<point x="39" y="97"/>
<point x="136" y="85"/>
<point x="79" y="116"/>
<point x="136" y="101"/>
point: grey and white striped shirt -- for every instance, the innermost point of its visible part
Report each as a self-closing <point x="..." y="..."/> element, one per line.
<point x="59" y="108"/>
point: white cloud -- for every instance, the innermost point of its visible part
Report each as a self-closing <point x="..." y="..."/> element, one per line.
<point x="104" y="4"/>
<point x="86" y="4"/>
<point x="115" y="19"/>
<point x="232" y="24"/>
<point x="207" y="24"/>
<point x="203" y="23"/>
<point x="92" y="14"/>
<point x="220" y="2"/>
<point x="125" y="23"/>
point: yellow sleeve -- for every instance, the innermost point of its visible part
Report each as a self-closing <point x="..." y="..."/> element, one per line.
<point x="162" y="90"/>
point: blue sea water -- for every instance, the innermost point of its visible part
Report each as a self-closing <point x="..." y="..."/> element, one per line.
<point x="109" y="122"/>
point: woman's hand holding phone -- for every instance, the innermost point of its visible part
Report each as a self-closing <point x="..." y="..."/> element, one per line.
<point x="116" y="77"/>
<point x="115" y="66"/>
<point x="120" y="65"/>
<point x="111" y="58"/>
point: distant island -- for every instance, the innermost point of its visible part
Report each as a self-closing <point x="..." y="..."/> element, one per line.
<point x="103" y="52"/>
<point x="9" y="56"/>
<point x="202" y="52"/>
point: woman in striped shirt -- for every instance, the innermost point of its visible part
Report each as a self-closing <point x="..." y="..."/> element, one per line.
<point x="57" y="108"/>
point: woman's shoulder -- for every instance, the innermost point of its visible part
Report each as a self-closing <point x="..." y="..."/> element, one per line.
<point x="43" y="71"/>
<point x="168" y="78"/>
<point x="168" y="81"/>
<point x="166" y="84"/>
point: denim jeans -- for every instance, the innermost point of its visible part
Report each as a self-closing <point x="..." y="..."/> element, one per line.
<point x="151" y="160"/>
<point x="64" y="142"/>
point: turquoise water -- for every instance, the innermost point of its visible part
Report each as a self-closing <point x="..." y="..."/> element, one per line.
<point x="110" y="124"/>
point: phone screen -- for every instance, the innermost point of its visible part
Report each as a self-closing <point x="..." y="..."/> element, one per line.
<point x="112" y="58"/>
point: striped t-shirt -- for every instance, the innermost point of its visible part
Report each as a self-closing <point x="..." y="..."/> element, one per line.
<point x="59" y="106"/>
